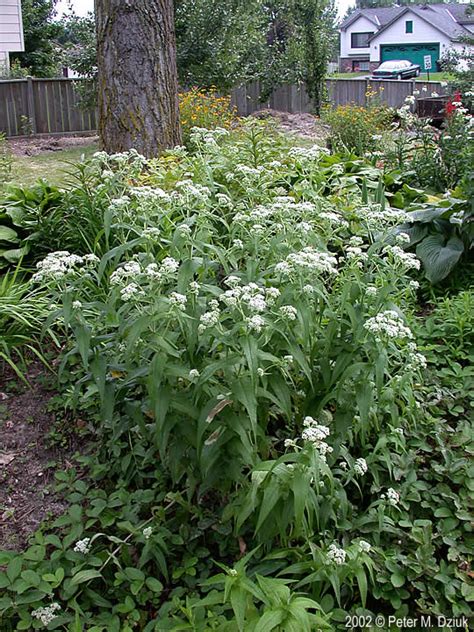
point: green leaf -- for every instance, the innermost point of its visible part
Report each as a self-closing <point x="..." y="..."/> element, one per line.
<point x="8" y="234"/>
<point x="269" y="621"/>
<point x="14" y="568"/>
<point x="238" y="600"/>
<point x="397" y="579"/>
<point x="84" y="576"/>
<point x="438" y="256"/>
<point x="154" y="585"/>
<point x="32" y="578"/>
<point x="271" y="495"/>
<point x="362" y="582"/>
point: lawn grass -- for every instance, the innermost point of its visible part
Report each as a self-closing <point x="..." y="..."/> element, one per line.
<point x="51" y="165"/>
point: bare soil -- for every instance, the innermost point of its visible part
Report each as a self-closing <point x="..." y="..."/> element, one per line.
<point x="38" y="145"/>
<point x="28" y="461"/>
<point x="300" y="124"/>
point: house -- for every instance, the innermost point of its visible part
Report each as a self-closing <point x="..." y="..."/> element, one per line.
<point x="11" y="31"/>
<point x="371" y="36"/>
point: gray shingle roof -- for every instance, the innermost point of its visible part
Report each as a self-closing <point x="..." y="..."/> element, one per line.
<point x="447" y="17"/>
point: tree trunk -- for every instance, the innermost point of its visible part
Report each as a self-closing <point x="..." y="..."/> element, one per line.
<point x="137" y="78"/>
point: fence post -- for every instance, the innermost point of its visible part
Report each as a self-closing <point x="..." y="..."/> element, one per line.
<point x="31" y="104"/>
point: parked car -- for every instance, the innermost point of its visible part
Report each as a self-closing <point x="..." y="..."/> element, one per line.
<point x="396" y="69"/>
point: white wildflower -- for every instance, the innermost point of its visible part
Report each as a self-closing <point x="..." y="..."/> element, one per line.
<point x="76" y="304"/>
<point x="130" y="291"/>
<point x="147" y="531"/>
<point x="364" y="547"/>
<point x="360" y="467"/>
<point x="255" y="323"/>
<point x="169" y="265"/>
<point x="260" y="372"/>
<point x="389" y="324"/>
<point x="371" y="290"/>
<point x="179" y="300"/>
<point x="289" y="312"/>
<point x="393" y="497"/>
<point x="194" y="287"/>
<point x="46" y="614"/>
<point x="83" y="546"/>
<point x="335" y="555"/>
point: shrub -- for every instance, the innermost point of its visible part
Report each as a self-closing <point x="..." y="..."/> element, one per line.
<point x="355" y="128"/>
<point x="205" y="108"/>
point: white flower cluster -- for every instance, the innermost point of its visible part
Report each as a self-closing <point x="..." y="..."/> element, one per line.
<point x="178" y="300"/>
<point x="335" y="555"/>
<point x="255" y="323"/>
<point x="210" y="318"/>
<point x="392" y="497"/>
<point x="83" y="546"/>
<point x="289" y="312"/>
<point x="360" y="467"/>
<point x="130" y="274"/>
<point x="190" y="189"/>
<point x="46" y="614"/>
<point x="308" y="153"/>
<point x="130" y="292"/>
<point x="316" y="434"/>
<point x="415" y="361"/>
<point x="150" y="195"/>
<point x="364" y="547"/>
<point x="377" y="217"/>
<point x="57" y="265"/>
<point x="208" y="137"/>
<point x="388" y="324"/>
<point x="147" y="531"/>
<point x="252" y="296"/>
<point x="407" y="260"/>
<point x="308" y="259"/>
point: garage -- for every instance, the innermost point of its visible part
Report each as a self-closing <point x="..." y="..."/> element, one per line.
<point x="413" y="52"/>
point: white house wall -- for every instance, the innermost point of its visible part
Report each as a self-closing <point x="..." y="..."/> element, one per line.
<point x="423" y="33"/>
<point x="11" y="28"/>
<point x="361" y="25"/>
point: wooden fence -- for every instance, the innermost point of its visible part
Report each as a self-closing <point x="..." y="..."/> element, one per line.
<point x="294" y="98"/>
<point x="51" y="106"/>
<point x="42" y="106"/>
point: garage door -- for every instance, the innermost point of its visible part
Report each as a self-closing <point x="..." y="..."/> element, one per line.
<point x="413" y="52"/>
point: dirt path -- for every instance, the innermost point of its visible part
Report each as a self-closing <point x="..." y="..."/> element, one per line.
<point x="27" y="460"/>
<point x="301" y="124"/>
<point x="41" y="144"/>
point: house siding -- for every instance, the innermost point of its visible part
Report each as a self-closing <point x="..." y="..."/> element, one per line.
<point x="423" y="33"/>
<point x="11" y="28"/>
<point x="361" y="25"/>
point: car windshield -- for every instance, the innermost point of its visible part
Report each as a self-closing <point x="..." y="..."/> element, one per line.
<point x="393" y="65"/>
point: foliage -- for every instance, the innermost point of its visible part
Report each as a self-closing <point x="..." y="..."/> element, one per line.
<point x="442" y="231"/>
<point x="23" y="311"/>
<point x="207" y="109"/>
<point x="271" y="449"/>
<point x="40" y="31"/>
<point x="5" y="160"/>
<point x="356" y="128"/>
<point x="315" y="19"/>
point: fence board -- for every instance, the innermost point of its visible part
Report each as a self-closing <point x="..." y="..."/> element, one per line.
<point x="52" y="105"/>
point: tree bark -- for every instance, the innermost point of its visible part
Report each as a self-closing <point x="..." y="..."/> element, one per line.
<point x="137" y="77"/>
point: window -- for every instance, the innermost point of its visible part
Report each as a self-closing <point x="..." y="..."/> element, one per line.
<point x="409" y="26"/>
<point x="360" y="40"/>
<point x="364" y="65"/>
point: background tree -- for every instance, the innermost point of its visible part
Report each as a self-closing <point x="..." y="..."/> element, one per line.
<point x="40" y="32"/>
<point x="137" y="77"/>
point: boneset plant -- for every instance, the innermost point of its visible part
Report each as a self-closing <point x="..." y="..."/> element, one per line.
<point x="241" y="346"/>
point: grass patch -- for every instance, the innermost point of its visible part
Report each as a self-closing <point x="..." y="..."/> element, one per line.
<point x="52" y="165"/>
